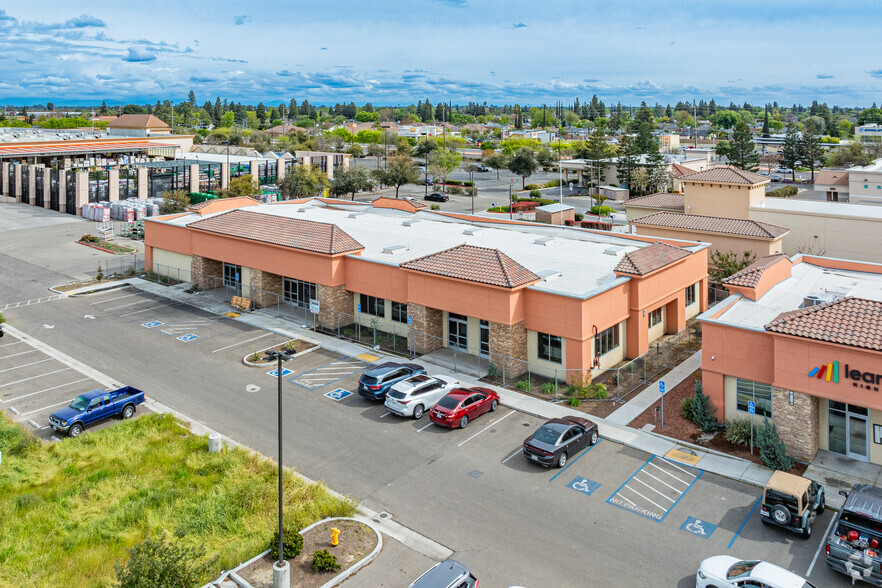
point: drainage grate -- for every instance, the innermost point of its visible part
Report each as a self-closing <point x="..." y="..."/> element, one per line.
<point x="476" y="473"/>
<point x="383" y="516"/>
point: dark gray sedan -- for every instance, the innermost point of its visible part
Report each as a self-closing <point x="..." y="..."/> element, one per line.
<point x="559" y="439"/>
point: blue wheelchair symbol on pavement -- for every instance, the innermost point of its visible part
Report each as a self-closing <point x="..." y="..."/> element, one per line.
<point x="187" y="338"/>
<point x="583" y="485"/>
<point x="338" y="394"/>
<point x="698" y="527"/>
<point x="152" y="324"/>
<point x="275" y="373"/>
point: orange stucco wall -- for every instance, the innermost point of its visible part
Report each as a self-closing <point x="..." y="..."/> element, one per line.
<point x="222" y="204"/>
<point x="375" y="279"/>
<point x="170" y="237"/>
<point x="730" y="351"/>
<point x="496" y="305"/>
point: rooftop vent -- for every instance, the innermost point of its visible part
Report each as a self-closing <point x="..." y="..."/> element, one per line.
<point x="548" y="275"/>
<point x="473" y="231"/>
<point x="614" y="250"/>
<point x="410" y="222"/>
<point x="304" y="209"/>
<point x="355" y="214"/>
<point x="393" y="249"/>
<point x="838" y="291"/>
<point x="813" y="299"/>
<point x="544" y="241"/>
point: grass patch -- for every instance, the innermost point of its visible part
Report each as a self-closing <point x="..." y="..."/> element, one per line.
<point x="72" y="509"/>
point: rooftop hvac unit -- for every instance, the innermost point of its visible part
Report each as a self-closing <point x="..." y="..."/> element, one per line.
<point x="812" y="299"/>
<point x="393" y="249"/>
<point x="544" y="241"/>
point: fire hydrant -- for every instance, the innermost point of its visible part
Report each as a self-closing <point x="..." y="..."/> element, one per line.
<point x="335" y="534"/>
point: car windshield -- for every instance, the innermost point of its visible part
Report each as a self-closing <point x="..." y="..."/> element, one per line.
<point x="396" y="394"/>
<point x="79" y="403"/>
<point x="449" y="402"/>
<point x="546" y="435"/>
<point x="741" y="569"/>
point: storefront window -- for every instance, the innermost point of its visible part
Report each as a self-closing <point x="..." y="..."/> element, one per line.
<point x="298" y="292"/>
<point x="761" y="394"/>
<point x="655" y="317"/>
<point x="607" y="340"/>
<point x="373" y="305"/>
<point x="399" y="312"/>
<point x="690" y="295"/>
<point x="550" y="348"/>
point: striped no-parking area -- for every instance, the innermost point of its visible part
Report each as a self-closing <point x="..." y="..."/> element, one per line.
<point x="329" y="373"/>
<point x="656" y="488"/>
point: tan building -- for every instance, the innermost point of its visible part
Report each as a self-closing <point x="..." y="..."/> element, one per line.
<point x="833" y="182"/>
<point x="723" y="191"/>
<point x="137" y="125"/>
<point x="646" y="205"/>
<point x="555" y="214"/>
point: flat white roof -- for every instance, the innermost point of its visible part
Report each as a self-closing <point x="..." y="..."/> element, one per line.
<point x="821" y="208"/>
<point x="584" y="260"/>
<point x="789" y="294"/>
<point x="222" y="157"/>
<point x="556" y="207"/>
<point x="876" y="166"/>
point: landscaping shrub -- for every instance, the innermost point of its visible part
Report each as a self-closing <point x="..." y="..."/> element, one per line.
<point x="292" y="544"/>
<point x="163" y="564"/>
<point x="532" y="187"/>
<point x="738" y="432"/>
<point x="100" y="274"/>
<point x="552" y="184"/>
<point x="435" y="207"/>
<point x="574" y="401"/>
<point x="597" y="391"/>
<point x="703" y="411"/>
<point x="322" y="561"/>
<point x="498" y="209"/>
<point x="453" y="190"/>
<point x="771" y="448"/>
<point x="548" y="388"/>
<point x="579" y="217"/>
<point x="492" y="370"/>
<point x="522" y="385"/>
<point x="783" y="192"/>
<point x="535" y="194"/>
<point x="604" y="210"/>
<point x="686" y="407"/>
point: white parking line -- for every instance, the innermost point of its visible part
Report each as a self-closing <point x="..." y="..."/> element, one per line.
<point x="46" y="390"/>
<point x="145" y="309"/>
<point x="623" y="497"/>
<point x="820" y="546"/>
<point x="112" y="299"/>
<point x="26" y="365"/>
<point x="663" y="509"/>
<point x="17" y="354"/>
<point x="333" y="372"/>
<point x="129" y="304"/>
<point x="672" y="464"/>
<point x="8" y="344"/>
<point x="45" y="407"/>
<point x="243" y="342"/>
<point x="387" y="414"/>
<point x="661" y="481"/>
<point x="684" y="482"/>
<point x="512" y="455"/>
<point x="485" y="428"/>
<point x="426" y="427"/>
<point x="34" y="377"/>
<point x="636" y="479"/>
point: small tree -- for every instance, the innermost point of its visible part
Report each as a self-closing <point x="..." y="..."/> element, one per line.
<point x="742" y="151"/>
<point x="496" y="161"/>
<point x="303" y="181"/>
<point x="160" y="563"/>
<point x="350" y="181"/>
<point x="399" y="170"/>
<point x="703" y="411"/>
<point x="727" y="263"/>
<point x="771" y="448"/>
<point x="443" y="161"/>
<point x="174" y="201"/>
<point x="523" y="164"/>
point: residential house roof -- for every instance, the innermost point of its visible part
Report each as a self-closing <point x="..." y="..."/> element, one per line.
<point x="832" y="178"/>
<point x="474" y="264"/>
<point x="856" y="322"/>
<point x="712" y="224"/>
<point x="137" y="121"/>
<point x="651" y="258"/>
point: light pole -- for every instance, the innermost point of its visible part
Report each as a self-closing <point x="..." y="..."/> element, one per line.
<point x="281" y="570"/>
<point x="510" y="182"/>
<point x="229" y="173"/>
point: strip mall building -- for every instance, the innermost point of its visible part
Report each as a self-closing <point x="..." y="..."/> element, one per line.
<point x="520" y="294"/>
<point x="801" y="339"/>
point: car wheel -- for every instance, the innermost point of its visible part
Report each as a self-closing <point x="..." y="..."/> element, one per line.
<point x="593" y="437"/>
<point x="74" y="431"/>
<point x="780" y="515"/>
<point x="494" y="405"/>
<point x="464" y="422"/>
<point x="807" y="532"/>
<point x="128" y="412"/>
<point x="821" y="506"/>
<point x="562" y="460"/>
<point x="418" y="411"/>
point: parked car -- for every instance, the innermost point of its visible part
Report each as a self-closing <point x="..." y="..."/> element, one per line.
<point x="482" y="168"/>
<point x="416" y="394"/>
<point x="854" y="543"/>
<point x="376" y="381"/>
<point x="558" y="439"/>
<point x="425" y="182"/>
<point x="725" y="571"/>
<point x="95" y="406"/>
<point x="436" y="197"/>
<point x="764" y="173"/>
<point x="783" y="170"/>
<point x="446" y="574"/>
<point x="463" y="405"/>
<point x="792" y="502"/>
<point x="777" y="178"/>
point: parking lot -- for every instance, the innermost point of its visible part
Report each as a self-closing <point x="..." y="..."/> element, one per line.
<point x="471" y="489"/>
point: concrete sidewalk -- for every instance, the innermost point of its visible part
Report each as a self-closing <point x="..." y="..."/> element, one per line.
<point x="613" y="428"/>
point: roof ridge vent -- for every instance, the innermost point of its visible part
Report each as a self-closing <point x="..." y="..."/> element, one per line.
<point x="393" y="249"/>
<point x="548" y="275"/>
<point x="304" y="209"/>
<point x="545" y="241"/>
<point x="614" y="250"/>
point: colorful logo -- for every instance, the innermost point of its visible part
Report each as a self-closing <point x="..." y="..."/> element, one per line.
<point x="826" y="372"/>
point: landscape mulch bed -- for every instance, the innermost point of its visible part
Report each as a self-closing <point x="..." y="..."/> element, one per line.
<point x="357" y="541"/>
<point x="683" y="429"/>
<point x="76" y="285"/>
<point x="109" y="247"/>
<point x="299" y="345"/>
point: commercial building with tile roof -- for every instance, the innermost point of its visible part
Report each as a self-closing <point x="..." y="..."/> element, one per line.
<point x="801" y="339"/>
<point x="564" y="302"/>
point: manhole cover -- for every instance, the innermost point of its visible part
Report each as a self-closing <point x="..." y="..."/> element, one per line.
<point x="476" y="473"/>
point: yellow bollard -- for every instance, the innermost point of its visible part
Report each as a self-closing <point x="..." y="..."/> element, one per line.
<point x="335" y="534"/>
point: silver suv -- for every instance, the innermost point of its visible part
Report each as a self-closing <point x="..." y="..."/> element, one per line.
<point x="417" y="394"/>
<point x="447" y="574"/>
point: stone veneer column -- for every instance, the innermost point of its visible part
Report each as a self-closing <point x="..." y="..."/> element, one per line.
<point x="202" y="268"/>
<point x="798" y="425"/>
<point x="113" y="184"/>
<point x="62" y="190"/>
<point x="266" y="288"/>
<point x="427" y="331"/>
<point x="18" y="191"/>
<point x="4" y="178"/>
<point x="508" y="348"/>
<point x="336" y="308"/>
<point x="47" y="187"/>
<point x="142" y="187"/>
<point x="30" y="196"/>
<point x="194" y="177"/>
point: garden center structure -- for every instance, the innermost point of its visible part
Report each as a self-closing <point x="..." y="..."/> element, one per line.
<point x="555" y="300"/>
<point x="801" y="339"/>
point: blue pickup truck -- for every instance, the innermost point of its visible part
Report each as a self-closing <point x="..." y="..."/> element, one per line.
<point x="94" y="406"/>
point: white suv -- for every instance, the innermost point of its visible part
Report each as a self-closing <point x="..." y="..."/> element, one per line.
<point x="417" y="394"/>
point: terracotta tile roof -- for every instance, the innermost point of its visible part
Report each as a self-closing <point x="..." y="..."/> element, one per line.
<point x="199" y="206"/>
<point x="681" y="170"/>
<point x="650" y="258"/>
<point x="832" y="178"/>
<point x="712" y="224"/>
<point x="474" y="264"/>
<point x="661" y="200"/>
<point x="137" y="121"/>
<point x="750" y="276"/>
<point x="278" y="230"/>
<point x="727" y="174"/>
<point x="855" y="322"/>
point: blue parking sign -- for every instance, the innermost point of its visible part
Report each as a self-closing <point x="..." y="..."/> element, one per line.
<point x="358" y="308"/>
<point x="751" y="407"/>
<point x="661" y="386"/>
<point x="410" y="320"/>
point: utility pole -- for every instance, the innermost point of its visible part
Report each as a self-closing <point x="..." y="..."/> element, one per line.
<point x="694" y="125"/>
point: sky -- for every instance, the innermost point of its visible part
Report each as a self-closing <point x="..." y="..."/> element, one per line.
<point x="392" y="53"/>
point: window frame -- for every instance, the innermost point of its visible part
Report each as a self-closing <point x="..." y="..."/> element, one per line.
<point x="690" y="294"/>
<point x="657" y="312"/>
<point x="747" y="388"/>
<point x="545" y="348"/>
<point x="298" y="292"/>
<point x="396" y="312"/>
<point x="366" y="301"/>
<point x="601" y="344"/>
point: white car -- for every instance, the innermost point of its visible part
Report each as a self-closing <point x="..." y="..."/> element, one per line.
<point x="417" y="394"/>
<point x="725" y="571"/>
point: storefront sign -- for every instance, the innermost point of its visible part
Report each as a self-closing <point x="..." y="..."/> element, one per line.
<point x="830" y="372"/>
<point x="877" y="434"/>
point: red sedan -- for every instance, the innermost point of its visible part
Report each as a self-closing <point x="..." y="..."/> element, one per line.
<point x="462" y="405"/>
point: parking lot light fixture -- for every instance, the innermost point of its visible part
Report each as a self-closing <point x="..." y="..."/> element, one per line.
<point x="280" y="356"/>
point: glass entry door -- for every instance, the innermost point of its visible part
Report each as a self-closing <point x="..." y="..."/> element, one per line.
<point x="485" y="339"/>
<point x="847" y="429"/>
<point x="457" y="331"/>
<point x="233" y="278"/>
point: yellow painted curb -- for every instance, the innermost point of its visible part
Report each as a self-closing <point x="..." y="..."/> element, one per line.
<point x="683" y="457"/>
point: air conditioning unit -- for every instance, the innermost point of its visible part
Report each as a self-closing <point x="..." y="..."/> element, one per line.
<point x="812" y="300"/>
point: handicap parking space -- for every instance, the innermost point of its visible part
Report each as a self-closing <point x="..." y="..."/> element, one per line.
<point x="655" y="489"/>
<point x="329" y="373"/>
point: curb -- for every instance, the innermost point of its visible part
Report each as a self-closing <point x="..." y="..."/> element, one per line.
<point x="298" y="354"/>
<point x="339" y="578"/>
